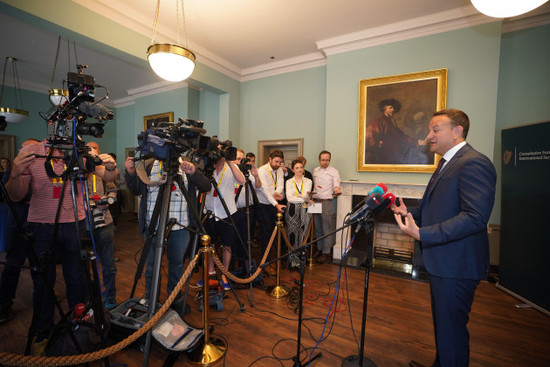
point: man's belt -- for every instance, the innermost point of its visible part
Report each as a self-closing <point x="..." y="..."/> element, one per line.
<point x="320" y="200"/>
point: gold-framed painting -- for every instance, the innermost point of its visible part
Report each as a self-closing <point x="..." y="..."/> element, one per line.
<point x="149" y="120"/>
<point x="394" y="113"/>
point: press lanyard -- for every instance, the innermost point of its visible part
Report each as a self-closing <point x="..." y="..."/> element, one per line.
<point x="273" y="177"/>
<point x="298" y="192"/>
<point x="57" y="180"/>
<point x="221" y="177"/>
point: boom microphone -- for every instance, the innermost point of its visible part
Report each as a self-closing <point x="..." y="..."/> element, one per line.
<point x="96" y="111"/>
<point x="371" y="203"/>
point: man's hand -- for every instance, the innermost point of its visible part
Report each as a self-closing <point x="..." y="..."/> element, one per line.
<point x="278" y="196"/>
<point x="107" y="161"/>
<point x="188" y="167"/>
<point x="409" y="227"/>
<point x="401" y="209"/>
<point x="280" y="208"/>
<point x="21" y="163"/>
<point x="129" y="165"/>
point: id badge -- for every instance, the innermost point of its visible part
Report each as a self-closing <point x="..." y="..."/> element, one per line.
<point x="56" y="192"/>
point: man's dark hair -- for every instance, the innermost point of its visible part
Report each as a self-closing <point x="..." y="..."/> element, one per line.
<point x="325" y="152"/>
<point x="250" y="155"/>
<point x="390" y="102"/>
<point x="276" y="153"/>
<point x="458" y="118"/>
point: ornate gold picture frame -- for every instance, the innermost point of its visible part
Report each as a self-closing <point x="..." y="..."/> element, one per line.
<point x="394" y="113"/>
<point x="160" y="117"/>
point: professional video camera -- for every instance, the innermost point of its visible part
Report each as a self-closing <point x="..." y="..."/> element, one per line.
<point x="167" y="140"/>
<point x="245" y="165"/>
<point x="67" y="122"/>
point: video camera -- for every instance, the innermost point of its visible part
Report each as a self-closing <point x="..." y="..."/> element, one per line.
<point x="168" y="141"/>
<point x="245" y="165"/>
<point x="67" y="121"/>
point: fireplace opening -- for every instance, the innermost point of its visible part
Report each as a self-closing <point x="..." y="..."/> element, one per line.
<point x="392" y="251"/>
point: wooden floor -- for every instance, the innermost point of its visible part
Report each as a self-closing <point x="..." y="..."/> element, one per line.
<point x="398" y="326"/>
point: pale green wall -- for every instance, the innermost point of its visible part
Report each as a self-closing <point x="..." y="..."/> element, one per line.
<point x="286" y="106"/>
<point x="524" y="85"/>
<point x="471" y="56"/>
<point x="210" y="111"/>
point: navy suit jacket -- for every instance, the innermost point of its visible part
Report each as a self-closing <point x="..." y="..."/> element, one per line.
<point x="453" y="217"/>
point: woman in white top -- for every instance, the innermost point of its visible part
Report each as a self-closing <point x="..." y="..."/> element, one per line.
<point x="298" y="194"/>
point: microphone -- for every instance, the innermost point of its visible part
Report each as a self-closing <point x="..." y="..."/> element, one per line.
<point x="388" y="200"/>
<point x="383" y="187"/>
<point x="378" y="189"/>
<point x="96" y="111"/>
<point x="371" y="203"/>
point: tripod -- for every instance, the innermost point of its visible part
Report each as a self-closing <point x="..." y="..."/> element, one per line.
<point x="160" y="218"/>
<point x="249" y="191"/>
<point x="74" y="165"/>
<point x="360" y="360"/>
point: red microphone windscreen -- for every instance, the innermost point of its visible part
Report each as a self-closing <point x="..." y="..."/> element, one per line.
<point x="391" y="197"/>
<point x="383" y="187"/>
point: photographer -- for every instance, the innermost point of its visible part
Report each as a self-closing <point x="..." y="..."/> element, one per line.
<point x="29" y="172"/>
<point x="101" y="193"/>
<point x="178" y="239"/>
<point x="226" y="175"/>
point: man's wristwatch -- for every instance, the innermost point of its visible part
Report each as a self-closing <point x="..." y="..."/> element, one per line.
<point x="110" y="169"/>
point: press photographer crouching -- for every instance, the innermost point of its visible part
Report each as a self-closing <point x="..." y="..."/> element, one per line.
<point x="28" y="172"/>
<point x="144" y="179"/>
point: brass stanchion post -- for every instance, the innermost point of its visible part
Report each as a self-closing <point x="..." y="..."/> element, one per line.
<point x="211" y="350"/>
<point x="310" y="234"/>
<point x="278" y="291"/>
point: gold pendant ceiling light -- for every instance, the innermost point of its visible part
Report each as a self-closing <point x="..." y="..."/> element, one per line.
<point x="171" y="62"/>
<point x="14" y="114"/>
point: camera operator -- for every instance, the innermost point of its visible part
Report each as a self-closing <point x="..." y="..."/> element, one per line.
<point x="226" y="175"/>
<point x="101" y="194"/>
<point x="250" y="172"/>
<point x="29" y="172"/>
<point x="178" y="239"/>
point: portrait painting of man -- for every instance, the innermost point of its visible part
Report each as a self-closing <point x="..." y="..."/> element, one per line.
<point x="393" y="121"/>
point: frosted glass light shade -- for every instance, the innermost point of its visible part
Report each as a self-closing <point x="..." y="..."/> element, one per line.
<point x="506" y="8"/>
<point x="171" y="62"/>
<point x="58" y="96"/>
<point x="13" y="115"/>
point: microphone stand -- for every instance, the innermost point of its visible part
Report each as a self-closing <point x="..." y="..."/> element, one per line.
<point x="360" y="360"/>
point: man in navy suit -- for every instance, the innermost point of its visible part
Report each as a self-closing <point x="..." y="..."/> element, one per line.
<point x="451" y="224"/>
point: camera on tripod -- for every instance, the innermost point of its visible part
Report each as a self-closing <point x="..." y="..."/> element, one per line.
<point x="167" y="140"/>
<point x="67" y="121"/>
<point x="245" y="165"/>
<point x="98" y="215"/>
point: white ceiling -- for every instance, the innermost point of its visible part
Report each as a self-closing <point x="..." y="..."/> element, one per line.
<point x="244" y="39"/>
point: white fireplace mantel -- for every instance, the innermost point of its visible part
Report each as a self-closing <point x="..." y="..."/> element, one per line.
<point x="350" y="188"/>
